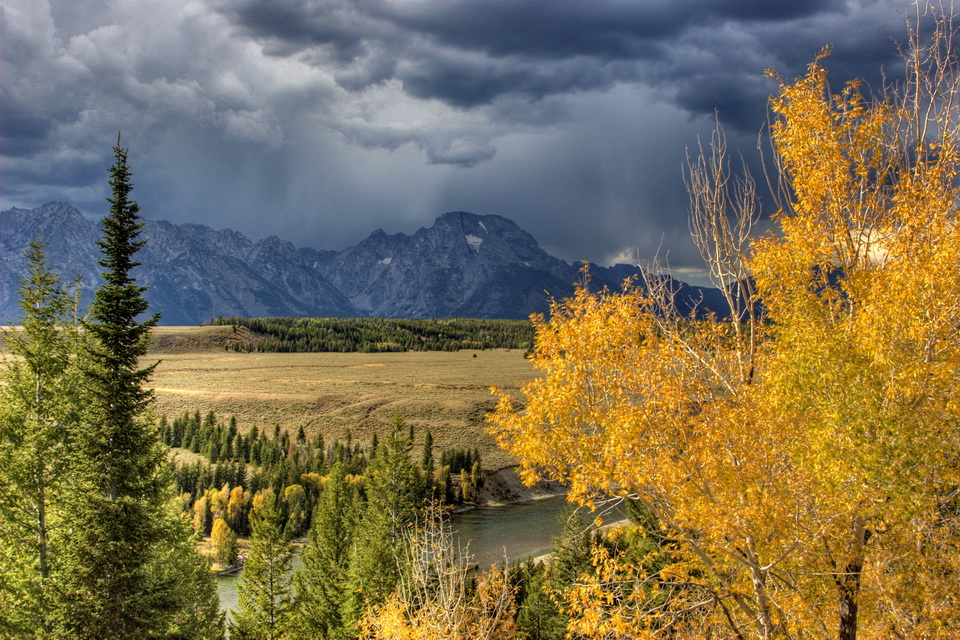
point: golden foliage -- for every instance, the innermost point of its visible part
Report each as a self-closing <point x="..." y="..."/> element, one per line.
<point x="636" y="406"/>
<point x="863" y="291"/>
<point x="804" y="464"/>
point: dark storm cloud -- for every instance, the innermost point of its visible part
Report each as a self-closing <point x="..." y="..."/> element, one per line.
<point x="710" y="53"/>
<point x="475" y="82"/>
<point x="604" y="29"/>
<point x="293" y="25"/>
<point x="319" y="121"/>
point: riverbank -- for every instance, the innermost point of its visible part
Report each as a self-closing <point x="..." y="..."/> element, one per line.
<point x="504" y="486"/>
<point x="490" y="534"/>
<point x="501" y="488"/>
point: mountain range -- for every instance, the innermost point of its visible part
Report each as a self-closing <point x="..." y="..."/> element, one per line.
<point x="465" y="265"/>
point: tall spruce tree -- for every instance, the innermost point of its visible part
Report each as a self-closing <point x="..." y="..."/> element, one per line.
<point x="394" y="489"/>
<point x="427" y="467"/>
<point x="321" y="583"/>
<point x="183" y="585"/>
<point x="264" y="591"/>
<point x="118" y="550"/>
<point x="38" y="413"/>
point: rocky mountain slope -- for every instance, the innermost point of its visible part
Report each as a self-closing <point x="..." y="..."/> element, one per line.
<point x="465" y="265"/>
<point x="458" y="261"/>
<point x="194" y="273"/>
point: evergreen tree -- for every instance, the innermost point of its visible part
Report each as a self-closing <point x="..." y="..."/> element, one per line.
<point x="184" y="584"/>
<point x="394" y="482"/>
<point x="38" y="413"/>
<point x="538" y="616"/>
<point x="571" y="552"/>
<point x="427" y="466"/>
<point x="394" y="498"/>
<point x="119" y="543"/>
<point x="321" y="583"/>
<point x="374" y="567"/>
<point x="294" y="500"/>
<point x="264" y="590"/>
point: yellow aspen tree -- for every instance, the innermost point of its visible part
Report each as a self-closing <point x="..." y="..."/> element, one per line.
<point x="637" y="401"/>
<point x="220" y="500"/>
<point x="802" y="465"/>
<point x="863" y="291"/>
<point x="632" y="405"/>
<point x="225" y="541"/>
<point x="237" y="508"/>
<point x="259" y="501"/>
<point x="201" y="517"/>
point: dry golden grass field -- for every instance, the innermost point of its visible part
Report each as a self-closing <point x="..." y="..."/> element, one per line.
<point x="447" y="393"/>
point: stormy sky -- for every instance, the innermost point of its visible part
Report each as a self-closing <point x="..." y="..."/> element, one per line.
<point x="320" y="121"/>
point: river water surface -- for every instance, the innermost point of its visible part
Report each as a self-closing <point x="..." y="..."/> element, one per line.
<point x="514" y="531"/>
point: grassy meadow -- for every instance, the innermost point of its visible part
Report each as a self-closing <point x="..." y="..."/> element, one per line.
<point x="445" y="392"/>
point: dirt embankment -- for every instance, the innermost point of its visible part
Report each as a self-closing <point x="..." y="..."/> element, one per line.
<point x="504" y="485"/>
<point x="171" y="339"/>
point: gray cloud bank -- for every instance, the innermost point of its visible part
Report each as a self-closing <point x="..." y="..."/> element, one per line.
<point x="319" y="121"/>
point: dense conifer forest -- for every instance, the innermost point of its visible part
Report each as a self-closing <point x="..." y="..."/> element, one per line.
<point x="374" y="335"/>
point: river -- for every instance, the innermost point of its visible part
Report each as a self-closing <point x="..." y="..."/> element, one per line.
<point x="514" y="530"/>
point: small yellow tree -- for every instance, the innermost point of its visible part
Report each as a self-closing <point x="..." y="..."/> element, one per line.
<point x="225" y="541"/>
<point x="237" y="509"/>
<point x="201" y="517"/>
